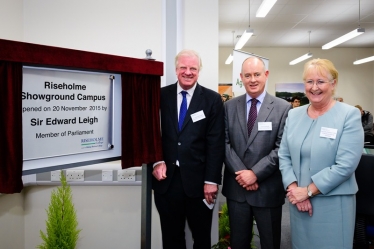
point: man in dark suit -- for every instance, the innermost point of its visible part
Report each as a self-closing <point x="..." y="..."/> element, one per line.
<point x="252" y="181"/>
<point x="193" y="152"/>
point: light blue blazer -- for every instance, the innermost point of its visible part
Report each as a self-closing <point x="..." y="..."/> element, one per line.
<point x="333" y="160"/>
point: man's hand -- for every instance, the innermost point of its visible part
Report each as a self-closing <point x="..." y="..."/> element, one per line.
<point x="252" y="187"/>
<point x="159" y="171"/>
<point x="246" y="178"/>
<point x="210" y="192"/>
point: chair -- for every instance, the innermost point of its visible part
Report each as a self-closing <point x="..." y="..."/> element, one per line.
<point x="364" y="200"/>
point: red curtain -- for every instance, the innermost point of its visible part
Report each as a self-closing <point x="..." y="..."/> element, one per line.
<point x="11" y="153"/>
<point x="141" y="134"/>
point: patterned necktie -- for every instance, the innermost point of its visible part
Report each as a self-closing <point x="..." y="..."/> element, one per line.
<point x="183" y="110"/>
<point x="252" y="115"/>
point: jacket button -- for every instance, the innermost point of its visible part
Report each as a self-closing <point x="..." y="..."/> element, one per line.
<point x="179" y="143"/>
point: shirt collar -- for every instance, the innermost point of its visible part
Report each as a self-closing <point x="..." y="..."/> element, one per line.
<point x="189" y="91"/>
<point x="259" y="98"/>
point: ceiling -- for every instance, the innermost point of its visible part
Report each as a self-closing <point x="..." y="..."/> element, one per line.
<point x="289" y="21"/>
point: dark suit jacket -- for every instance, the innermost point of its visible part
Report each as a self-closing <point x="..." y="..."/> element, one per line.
<point x="259" y="152"/>
<point x="199" y="146"/>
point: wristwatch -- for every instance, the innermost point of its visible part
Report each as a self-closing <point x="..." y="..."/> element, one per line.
<point x="310" y="194"/>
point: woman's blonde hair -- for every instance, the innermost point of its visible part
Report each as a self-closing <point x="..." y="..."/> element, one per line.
<point x="322" y="65"/>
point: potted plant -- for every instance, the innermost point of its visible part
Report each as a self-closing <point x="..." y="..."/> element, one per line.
<point x="61" y="225"/>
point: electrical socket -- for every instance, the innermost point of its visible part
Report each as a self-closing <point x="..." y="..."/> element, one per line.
<point x="107" y="176"/>
<point x="55" y="175"/>
<point x="75" y="175"/>
<point x="126" y="175"/>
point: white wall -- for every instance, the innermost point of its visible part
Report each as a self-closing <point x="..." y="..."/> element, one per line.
<point x="125" y="28"/>
<point x="119" y="27"/>
<point x="198" y="30"/>
<point x="201" y="34"/>
<point x="356" y="82"/>
<point x="109" y="216"/>
<point x="11" y="17"/>
<point x="12" y="231"/>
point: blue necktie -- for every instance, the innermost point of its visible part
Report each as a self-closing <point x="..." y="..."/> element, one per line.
<point x="252" y="116"/>
<point x="183" y="110"/>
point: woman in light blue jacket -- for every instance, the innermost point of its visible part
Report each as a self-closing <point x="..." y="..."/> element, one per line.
<point x="319" y="153"/>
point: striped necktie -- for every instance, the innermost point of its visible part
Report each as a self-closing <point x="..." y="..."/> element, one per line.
<point x="252" y="116"/>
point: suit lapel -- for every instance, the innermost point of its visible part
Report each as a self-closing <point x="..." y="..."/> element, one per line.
<point x="195" y="105"/>
<point x="242" y="114"/>
<point x="264" y="112"/>
<point x="173" y="105"/>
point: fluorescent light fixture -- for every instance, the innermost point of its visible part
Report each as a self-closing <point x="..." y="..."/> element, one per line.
<point x="344" y="38"/>
<point x="265" y="7"/>
<point x="229" y="59"/>
<point x="244" y="38"/>
<point x="371" y="58"/>
<point x="301" y="58"/>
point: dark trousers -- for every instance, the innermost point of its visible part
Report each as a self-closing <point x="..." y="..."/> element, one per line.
<point x="174" y="208"/>
<point x="268" y="221"/>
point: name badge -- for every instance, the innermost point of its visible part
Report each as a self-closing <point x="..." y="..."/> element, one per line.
<point x="197" y="116"/>
<point x="328" y="132"/>
<point x="264" y="126"/>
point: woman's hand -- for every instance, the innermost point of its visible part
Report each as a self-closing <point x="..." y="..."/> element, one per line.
<point x="305" y="206"/>
<point x="298" y="194"/>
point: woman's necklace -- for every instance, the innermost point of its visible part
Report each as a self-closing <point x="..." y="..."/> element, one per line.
<point x="315" y="113"/>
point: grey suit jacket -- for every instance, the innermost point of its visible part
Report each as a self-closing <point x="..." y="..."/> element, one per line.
<point x="259" y="152"/>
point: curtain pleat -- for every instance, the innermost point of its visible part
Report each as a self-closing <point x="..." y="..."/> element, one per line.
<point x="11" y="152"/>
<point x="141" y="134"/>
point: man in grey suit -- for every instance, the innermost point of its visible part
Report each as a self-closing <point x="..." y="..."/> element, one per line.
<point x="252" y="181"/>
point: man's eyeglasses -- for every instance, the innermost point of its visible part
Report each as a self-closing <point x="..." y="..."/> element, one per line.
<point x="317" y="82"/>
